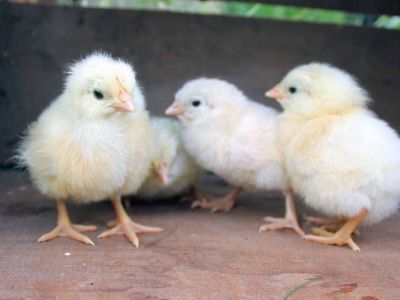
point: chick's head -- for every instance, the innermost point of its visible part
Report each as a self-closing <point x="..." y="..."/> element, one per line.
<point x="200" y="98"/>
<point x="100" y="85"/>
<point x="318" y="88"/>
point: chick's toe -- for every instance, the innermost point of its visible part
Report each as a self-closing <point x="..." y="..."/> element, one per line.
<point x="125" y="226"/>
<point x="279" y="224"/>
<point x="342" y="237"/>
<point x="218" y="204"/>
<point x="66" y="228"/>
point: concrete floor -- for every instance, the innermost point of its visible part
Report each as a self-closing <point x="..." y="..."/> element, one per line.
<point x="199" y="255"/>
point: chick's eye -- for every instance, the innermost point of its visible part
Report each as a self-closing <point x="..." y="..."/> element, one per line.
<point x="196" y="103"/>
<point x="98" y="95"/>
<point x="292" y="89"/>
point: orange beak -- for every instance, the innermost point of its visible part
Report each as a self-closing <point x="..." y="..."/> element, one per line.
<point x="125" y="102"/>
<point x="276" y="93"/>
<point x="174" y="110"/>
<point x="161" y="172"/>
<point x="125" y="99"/>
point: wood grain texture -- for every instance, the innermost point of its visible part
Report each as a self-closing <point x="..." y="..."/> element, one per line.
<point x="199" y="255"/>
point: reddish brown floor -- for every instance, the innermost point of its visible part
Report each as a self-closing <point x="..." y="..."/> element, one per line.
<point x="199" y="255"/>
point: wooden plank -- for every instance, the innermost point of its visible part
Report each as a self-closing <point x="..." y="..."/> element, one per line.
<point x="198" y="256"/>
<point x="377" y="7"/>
<point x="37" y="42"/>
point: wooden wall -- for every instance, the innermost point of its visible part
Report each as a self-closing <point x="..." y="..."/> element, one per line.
<point x="37" y="42"/>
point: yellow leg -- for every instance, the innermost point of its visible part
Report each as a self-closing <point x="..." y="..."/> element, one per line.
<point x="125" y="226"/>
<point x="327" y="225"/>
<point x="290" y="220"/>
<point x="218" y="204"/>
<point x="66" y="228"/>
<point x="342" y="236"/>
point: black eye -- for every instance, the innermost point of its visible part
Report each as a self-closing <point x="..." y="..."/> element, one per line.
<point x="98" y="95"/>
<point x="292" y="90"/>
<point x="196" y="103"/>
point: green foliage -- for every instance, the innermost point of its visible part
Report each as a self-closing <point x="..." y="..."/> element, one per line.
<point x="250" y="10"/>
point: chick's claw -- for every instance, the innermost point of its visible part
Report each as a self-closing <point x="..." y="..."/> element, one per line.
<point x="279" y="224"/>
<point x="122" y="229"/>
<point x="125" y="226"/>
<point x="328" y="238"/>
<point x="215" y="205"/>
<point x="130" y="229"/>
<point x="290" y="220"/>
<point x="66" y="228"/>
<point x="72" y="231"/>
<point x="342" y="236"/>
<point x="327" y="225"/>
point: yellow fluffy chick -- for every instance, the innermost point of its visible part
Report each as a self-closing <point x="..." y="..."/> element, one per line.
<point x="173" y="171"/>
<point x="341" y="158"/>
<point x="235" y="138"/>
<point x="91" y="143"/>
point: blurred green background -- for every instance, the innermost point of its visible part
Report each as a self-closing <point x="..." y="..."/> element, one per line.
<point x="244" y="9"/>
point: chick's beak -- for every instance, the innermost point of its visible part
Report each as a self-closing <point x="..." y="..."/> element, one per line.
<point x="276" y="93"/>
<point x="174" y="110"/>
<point x="125" y="102"/>
<point x="161" y="172"/>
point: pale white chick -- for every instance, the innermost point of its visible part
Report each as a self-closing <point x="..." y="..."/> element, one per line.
<point x="173" y="172"/>
<point x="90" y="144"/>
<point x="235" y="138"/>
<point x="342" y="159"/>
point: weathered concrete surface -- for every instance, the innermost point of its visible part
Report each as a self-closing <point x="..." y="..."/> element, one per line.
<point x="198" y="256"/>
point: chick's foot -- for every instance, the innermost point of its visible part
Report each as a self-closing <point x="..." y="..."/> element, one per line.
<point x="125" y="226"/>
<point x="193" y="195"/>
<point x="330" y="238"/>
<point x="342" y="236"/>
<point x="130" y="229"/>
<point x="326" y="225"/>
<point x="290" y="220"/>
<point x="66" y="228"/>
<point x="279" y="224"/>
<point x="215" y="204"/>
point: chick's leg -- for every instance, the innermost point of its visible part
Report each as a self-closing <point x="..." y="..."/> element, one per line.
<point x="193" y="195"/>
<point x="66" y="228"/>
<point x="326" y="224"/>
<point x="215" y="204"/>
<point x="290" y="220"/>
<point x="125" y="226"/>
<point x="342" y="236"/>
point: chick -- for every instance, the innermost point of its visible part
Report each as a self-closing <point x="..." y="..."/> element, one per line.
<point x="84" y="145"/>
<point x="341" y="158"/>
<point x="233" y="137"/>
<point x="173" y="171"/>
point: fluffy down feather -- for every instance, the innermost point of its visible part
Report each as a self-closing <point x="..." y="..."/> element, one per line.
<point x="167" y="150"/>
<point x="80" y="147"/>
<point x="339" y="156"/>
<point x="88" y="145"/>
<point x="230" y="135"/>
